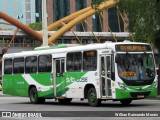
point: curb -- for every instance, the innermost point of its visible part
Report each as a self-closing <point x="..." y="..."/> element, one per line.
<point x="155" y="98"/>
<point x="4" y="95"/>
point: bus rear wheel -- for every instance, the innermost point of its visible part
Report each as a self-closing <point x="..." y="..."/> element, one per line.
<point x="33" y="94"/>
<point x="125" y="101"/>
<point x="65" y="101"/>
<point x="92" y="98"/>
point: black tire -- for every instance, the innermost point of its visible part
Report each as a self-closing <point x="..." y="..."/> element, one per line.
<point x="33" y="95"/>
<point x="125" y="101"/>
<point x="65" y="101"/>
<point x="92" y="98"/>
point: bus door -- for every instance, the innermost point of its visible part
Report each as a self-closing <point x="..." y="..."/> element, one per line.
<point x="59" y="77"/>
<point x="105" y="72"/>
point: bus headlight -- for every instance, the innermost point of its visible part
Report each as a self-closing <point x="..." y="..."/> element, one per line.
<point x="121" y="86"/>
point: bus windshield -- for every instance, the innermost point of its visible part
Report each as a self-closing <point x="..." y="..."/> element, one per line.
<point x="135" y="66"/>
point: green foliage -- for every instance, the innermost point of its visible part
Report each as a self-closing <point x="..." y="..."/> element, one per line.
<point x="96" y="3"/>
<point x="36" y="26"/>
<point x="144" y="18"/>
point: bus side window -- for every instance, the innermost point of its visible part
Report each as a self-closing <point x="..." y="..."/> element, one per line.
<point x="8" y="64"/>
<point x="44" y="63"/>
<point x="90" y="60"/>
<point x="18" y="65"/>
<point x="31" y="64"/>
<point x="74" y="61"/>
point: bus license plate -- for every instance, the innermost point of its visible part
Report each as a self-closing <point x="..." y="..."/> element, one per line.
<point x="140" y="96"/>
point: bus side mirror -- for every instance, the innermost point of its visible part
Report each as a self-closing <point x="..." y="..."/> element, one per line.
<point x="117" y="58"/>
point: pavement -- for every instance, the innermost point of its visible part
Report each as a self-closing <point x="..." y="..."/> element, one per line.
<point x="1" y="93"/>
<point x="4" y="95"/>
<point x="156" y="98"/>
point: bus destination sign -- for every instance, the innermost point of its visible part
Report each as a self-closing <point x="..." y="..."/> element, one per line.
<point x="133" y="48"/>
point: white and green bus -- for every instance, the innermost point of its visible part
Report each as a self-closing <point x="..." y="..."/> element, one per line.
<point x="97" y="72"/>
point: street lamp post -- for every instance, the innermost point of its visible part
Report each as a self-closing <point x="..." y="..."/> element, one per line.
<point x="44" y="23"/>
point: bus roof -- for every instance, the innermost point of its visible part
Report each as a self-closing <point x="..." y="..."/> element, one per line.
<point x="68" y="48"/>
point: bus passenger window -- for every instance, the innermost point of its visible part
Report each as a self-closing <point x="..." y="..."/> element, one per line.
<point x="44" y="63"/>
<point x="8" y="66"/>
<point x="74" y="61"/>
<point x="31" y="64"/>
<point x="90" y="60"/>
<point x="18" y="65"/>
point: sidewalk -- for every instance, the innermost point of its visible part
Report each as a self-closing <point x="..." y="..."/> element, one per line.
<point x="3" y="95"/>
<point x="157" y="98"/>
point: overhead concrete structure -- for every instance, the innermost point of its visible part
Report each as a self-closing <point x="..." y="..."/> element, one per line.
<point x="20" y="26"/>
<point x="70" y="34"/>
<point x="76" y="18"/>
<point x="67" y="22"/>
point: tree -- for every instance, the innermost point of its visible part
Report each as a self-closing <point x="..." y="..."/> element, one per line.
<point x="97" y="2"/>
<point x="36" y="26"/>
<point x="144" y="18"/>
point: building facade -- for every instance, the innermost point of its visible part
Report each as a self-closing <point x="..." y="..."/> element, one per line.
<point x="30" y="11"/>
<point x="22" y="10"/>
<point x="58" y="9"/>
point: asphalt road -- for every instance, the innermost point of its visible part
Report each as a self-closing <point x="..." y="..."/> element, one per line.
<point x="77" y="109"/>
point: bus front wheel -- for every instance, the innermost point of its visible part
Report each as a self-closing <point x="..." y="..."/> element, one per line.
<point x="33" y="94"/>
<point x="92" y="98"/>
<point x="125" y="101"/>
